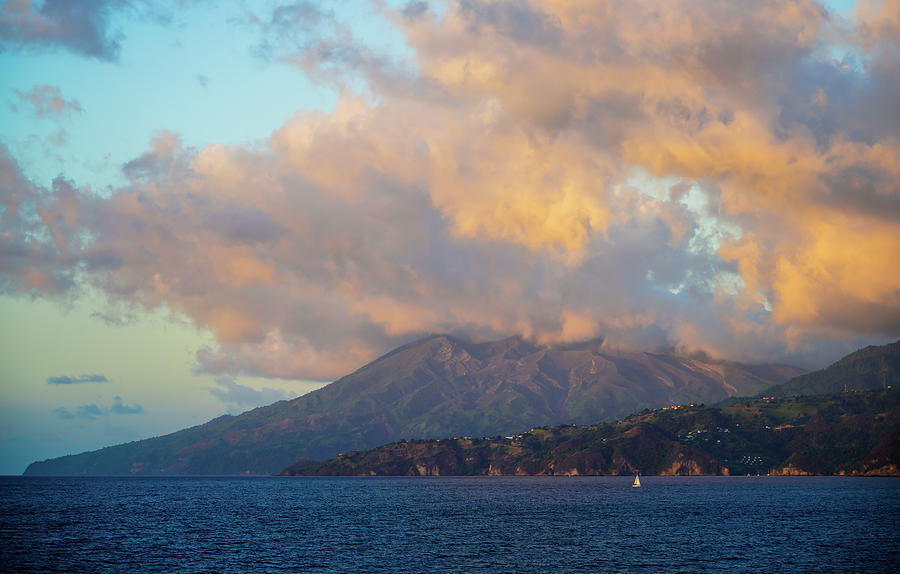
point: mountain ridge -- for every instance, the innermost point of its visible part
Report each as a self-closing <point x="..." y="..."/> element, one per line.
<point x="869" y="368"/>
<point x="440" y="385"/>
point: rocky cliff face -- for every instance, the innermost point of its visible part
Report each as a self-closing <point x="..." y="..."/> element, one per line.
<point x="438" y="386"/>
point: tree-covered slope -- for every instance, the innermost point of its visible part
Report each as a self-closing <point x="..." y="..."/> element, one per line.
<point x="874" y="367"/>
<point x="851" y="433"/>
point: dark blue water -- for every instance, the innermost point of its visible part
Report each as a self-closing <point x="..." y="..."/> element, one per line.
<point x="557" y="524"/>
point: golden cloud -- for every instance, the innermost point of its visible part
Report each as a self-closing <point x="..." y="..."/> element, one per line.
<point x="491" y="192"/>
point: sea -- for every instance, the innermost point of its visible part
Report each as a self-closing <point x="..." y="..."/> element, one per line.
<point x="449" y="524"/>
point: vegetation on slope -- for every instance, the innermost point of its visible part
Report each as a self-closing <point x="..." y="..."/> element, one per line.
<point x="874" y="367"/>
<point x="850" y="433"/>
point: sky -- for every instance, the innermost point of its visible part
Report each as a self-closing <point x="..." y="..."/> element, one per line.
<point x="209" y="206"/>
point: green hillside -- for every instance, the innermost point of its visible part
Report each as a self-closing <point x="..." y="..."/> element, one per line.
<point x="874" y="367"/>
<point x="855" y="433"/>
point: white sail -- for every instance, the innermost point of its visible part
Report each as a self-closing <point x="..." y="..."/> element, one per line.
<point x="637" y="481"/>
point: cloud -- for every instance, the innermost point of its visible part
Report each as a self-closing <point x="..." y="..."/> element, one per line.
<point x="81" y="27"/>
<point x="305" y="15"/>
<point x="122" y="409"/>
<point x="692" y="174"/>
<point x="414" y="9"/>
<point x="67" y="380"/>
<point x="114" y="319"/>
<point x="165" y="160"/>
<point x="48" y="101"/>
<point x="230" y="391"/>
<point x="291" y="24"/>
<point x="521" y="22"/>
<point x="58" y="138"/>
<point x="92" y="411"/>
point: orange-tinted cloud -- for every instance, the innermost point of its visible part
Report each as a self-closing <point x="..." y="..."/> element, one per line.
<point x="489" y="189"/>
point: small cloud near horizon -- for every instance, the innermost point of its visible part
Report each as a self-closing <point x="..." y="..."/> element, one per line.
<point x="67" y="380"/>
<point x="63" y="413"/>
<point x="92" y="411"/>
<point x="123" y="409"/>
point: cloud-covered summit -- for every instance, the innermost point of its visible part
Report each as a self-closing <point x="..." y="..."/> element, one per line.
<point x="720" y="176"/>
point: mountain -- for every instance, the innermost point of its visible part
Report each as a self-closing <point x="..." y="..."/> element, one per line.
<point x="874" y="367"/>
<point x="438" y="386"/>
<point x="854" y="433"/>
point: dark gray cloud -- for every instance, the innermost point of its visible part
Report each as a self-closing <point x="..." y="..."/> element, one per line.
<point x="90" y="412"/>
<point x="93" y="411"/>
<point x="237" y="224"/>
<point x="67" y="380"/>
<point x="516" y="20"/>
<point x="414" y="9"/>
<point x="866" y="189"/>
<point x="81" y="27"/>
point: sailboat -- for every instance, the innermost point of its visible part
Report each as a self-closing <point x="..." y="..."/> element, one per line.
<point x="637" y="482"/>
